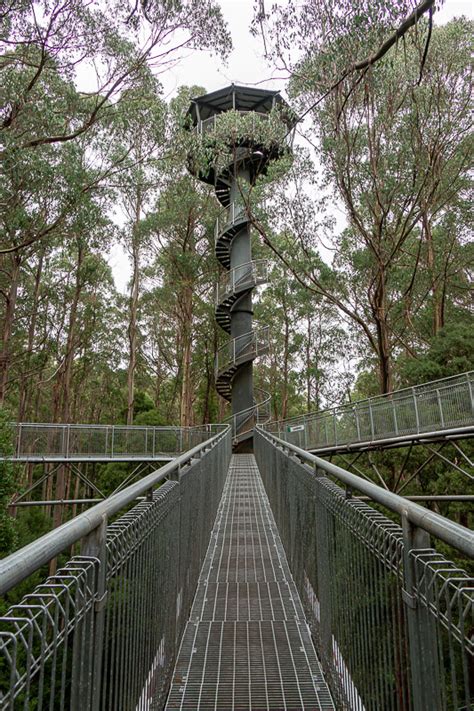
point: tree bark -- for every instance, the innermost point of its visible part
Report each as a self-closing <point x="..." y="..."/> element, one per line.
<point x="26" y="381"/>
<point x="133" y="310"/>
<point x="10" y="307"/>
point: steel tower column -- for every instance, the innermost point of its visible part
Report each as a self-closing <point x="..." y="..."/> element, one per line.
<point x="241" y="313"/>
<point x="246" y="156"/>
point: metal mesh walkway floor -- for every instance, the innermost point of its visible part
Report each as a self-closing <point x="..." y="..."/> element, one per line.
<point x="247" y="646"/>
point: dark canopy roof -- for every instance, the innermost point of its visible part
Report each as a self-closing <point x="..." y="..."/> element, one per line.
<point x="241" y="98"/>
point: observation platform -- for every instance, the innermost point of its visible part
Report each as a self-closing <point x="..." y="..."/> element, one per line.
<point x="247" y="644"/>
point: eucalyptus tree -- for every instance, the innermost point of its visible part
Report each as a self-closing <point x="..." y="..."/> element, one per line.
<point x="394" y="147"/>
<point x="181" y="229"/>
<point x="142" y="136"/>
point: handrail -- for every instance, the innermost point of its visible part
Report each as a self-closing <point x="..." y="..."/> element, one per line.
<point x="392" y="395"/>
<point x="448" y="531"/>
<point x="227" y="217"/>
<point x="40" y="441"/>
<point x="258" y="339"/>
<point x="253" y="272"/>
<point x="22" y="563"/>
<point x="238" y="419"/>
<point x="439" y="406"/>
<point x="209" y="123"/>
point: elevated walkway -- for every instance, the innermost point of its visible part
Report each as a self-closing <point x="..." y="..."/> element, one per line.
<point x="35" y="442"/>
<point x="186" y="601"/>
<point x="247" y="644"/>
<point x="438" y="411"/>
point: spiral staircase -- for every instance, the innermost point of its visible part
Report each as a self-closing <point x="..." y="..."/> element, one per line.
<point x="234" y="285"/>
<point x="233" y="158"/>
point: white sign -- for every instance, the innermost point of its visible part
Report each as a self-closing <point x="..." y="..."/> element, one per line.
<point x="296" y="428"/>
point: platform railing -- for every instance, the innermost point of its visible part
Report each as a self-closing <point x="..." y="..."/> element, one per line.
<point x="244" y="421"/>
<point x="33" y="441"/>
<point x="433" y="407"/>
<point x="246" y="275"/>
<point x="245" y="347"/>
<point x="103" y="631"/>
<point x="384" y="584"/>
<point x="209" y="124"/>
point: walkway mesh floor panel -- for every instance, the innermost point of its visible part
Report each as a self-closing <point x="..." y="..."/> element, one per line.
<point x="247" y="646"/>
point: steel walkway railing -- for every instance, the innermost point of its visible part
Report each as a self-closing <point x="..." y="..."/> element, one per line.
<point x="439" y="408"/>
<point x="385" y="587"/>
<point x="103" y="631"/>
<point x="387" y="594"/>
<point x="41" y="442"/>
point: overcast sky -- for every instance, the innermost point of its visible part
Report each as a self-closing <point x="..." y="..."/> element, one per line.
<point x="246" y="65"/>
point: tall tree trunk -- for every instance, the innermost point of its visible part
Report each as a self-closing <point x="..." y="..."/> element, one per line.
<point x="187" y="389"/>
<point x="63" y="393"/>
<point x="9" y="317"/>
<point x="438" y="311"/>
<point x="379" y="311"/>
<point x="308" y="365"/>
<point x="26" y="382"/>
<point x="133" y="309"/>
<point x="286" y="345"/>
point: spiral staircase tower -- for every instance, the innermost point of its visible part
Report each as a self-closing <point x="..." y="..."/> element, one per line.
<point x="241" y="274"/>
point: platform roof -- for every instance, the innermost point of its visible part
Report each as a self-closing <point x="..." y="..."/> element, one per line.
<point x="241" y="98"/>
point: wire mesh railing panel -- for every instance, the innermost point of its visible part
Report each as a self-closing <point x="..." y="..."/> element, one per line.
<point x="35" y="440"/>
<point x="60" y="442"/>
<point x="200" y="500"/>
<point x="140" y="640"/>
<point x="103" y="633"/>
<point x="393" y="624"/>
<point x="445" y="595"/>
<point x="431" y="407"/>
<point x="44" y="638"/>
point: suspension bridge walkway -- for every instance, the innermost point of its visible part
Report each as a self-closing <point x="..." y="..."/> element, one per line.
<point x="233" y="582"/>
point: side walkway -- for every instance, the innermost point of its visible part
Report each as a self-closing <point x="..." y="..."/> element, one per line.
<point x="247" y="646"/>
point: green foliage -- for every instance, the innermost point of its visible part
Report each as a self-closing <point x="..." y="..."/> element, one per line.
<point x="450" y="352"/>
<point x="8" y="531"/>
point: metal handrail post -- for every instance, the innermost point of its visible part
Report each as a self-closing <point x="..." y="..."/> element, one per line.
<point x="471" y="393"/>
<point x="68" y="435"/>
<point x="18" y="440"/>
<point x="417" y="417"/>
<point x="395" y="419"/>
<point x="440" y="406"/>
<point x="356" y="413"/>
<point x="422" y="632"/>
<point x="88" y="644"/>
<point x="371" y="418"/>
<point x="63" y="440"/>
